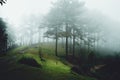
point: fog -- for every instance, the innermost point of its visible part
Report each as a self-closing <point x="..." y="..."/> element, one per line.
<point x="108" y="7"/>
<point x="14" y="10"/>
<point x="17" y="13"/>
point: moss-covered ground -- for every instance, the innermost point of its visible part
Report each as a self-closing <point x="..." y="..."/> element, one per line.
<point x="52" y="67"/>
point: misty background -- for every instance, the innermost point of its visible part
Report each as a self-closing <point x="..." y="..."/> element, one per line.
<point x="23" y="16"/>
<point x="61" y="39"/>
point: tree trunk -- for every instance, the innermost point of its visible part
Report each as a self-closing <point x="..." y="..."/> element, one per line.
<point x="63" y="43"/>
<point x="40" y="49"/>
<point x="94" y="43"/>
<point x="73" y="43"/>
<point x="56" y="43"/>
<point x="66" y="40"/>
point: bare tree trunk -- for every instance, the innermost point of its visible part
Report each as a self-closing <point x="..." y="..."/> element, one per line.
<point x="56" y="43"/>
<point x="66" y="40"/>
<point x="63" y="43"/>
<point x="73" y="43"/>
<point x="94" y="43"/>
<point x="40" y="49"/>
<point x="31" y="38"/>
<point x="97" y="43"/>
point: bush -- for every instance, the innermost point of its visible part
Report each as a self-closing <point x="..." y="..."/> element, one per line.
<point x="29" y="61"/>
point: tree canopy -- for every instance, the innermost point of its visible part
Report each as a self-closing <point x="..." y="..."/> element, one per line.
<point x="3" y="36"/>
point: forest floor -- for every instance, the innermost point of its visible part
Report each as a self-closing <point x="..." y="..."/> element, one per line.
<point x="52" y="68"/>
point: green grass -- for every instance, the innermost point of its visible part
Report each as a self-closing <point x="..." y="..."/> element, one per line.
<point x="49" y="48"/>
<point x="52" y="67"/>
<point x="56" y="66"/>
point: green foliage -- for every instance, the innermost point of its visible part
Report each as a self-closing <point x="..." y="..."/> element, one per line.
<point x="52" y="68"/>
<point x="49" y="48"/>
<point x="3" y="36"/>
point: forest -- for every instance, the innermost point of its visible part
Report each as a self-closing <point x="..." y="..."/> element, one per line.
<point x="69" y="42"/>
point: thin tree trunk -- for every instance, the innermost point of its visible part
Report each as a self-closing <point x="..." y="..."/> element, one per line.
<point x="66" y="40"/>
<point x="40" y="49"/>
<point x="63" y="43"/>
<point x="73" y="43"/>
<point x="56" y="43"/>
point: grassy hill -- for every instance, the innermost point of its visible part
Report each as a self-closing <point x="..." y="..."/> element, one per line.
<point x="52" y="68"/>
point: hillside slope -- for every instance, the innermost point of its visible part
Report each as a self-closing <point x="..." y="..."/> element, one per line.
<point x="51" y="68"/>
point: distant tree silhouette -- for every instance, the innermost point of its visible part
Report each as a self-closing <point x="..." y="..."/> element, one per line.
<point x="3" y="37"/>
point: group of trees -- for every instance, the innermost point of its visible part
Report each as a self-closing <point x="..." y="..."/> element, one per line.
<point x="6" y="37"/>
<point x="71" y="21"/>
<point x="3" y="37"/>
<point x="31" y="31"/>
<point x="62" y="20"/>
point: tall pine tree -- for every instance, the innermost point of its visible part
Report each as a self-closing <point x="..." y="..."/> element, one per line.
<point x="3" y="37"/>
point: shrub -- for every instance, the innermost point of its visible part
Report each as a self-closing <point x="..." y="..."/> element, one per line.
<point x="29" y="61"/>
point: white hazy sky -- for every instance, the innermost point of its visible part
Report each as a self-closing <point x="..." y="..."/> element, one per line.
<point x="14" y="10"/>
<point x="109" y="7"/>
